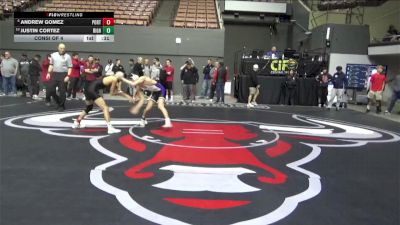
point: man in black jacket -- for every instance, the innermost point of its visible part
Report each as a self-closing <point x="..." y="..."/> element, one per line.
<point x="138" y="67"/>
<point x="290" y="88"/>
<point x="118" y="67"/>
<point x="254" y="87"/>
<point x="189" y="78"/>
<point x="35" y="69"/>
<point x="323" y="79"/>
<point x="23" y="81"/>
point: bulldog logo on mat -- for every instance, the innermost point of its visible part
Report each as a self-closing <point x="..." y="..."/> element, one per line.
<point x="209" y="171"/>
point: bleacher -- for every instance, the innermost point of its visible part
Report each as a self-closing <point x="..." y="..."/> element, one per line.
<point x="197" y="14"/>
<point x="129" y="12"/>
<point x="7" y="7"/>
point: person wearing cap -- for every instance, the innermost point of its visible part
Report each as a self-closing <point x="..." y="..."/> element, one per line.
<point x="339" y="81"/>
<point x="254" y="86"/>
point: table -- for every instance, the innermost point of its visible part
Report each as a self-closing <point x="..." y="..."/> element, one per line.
<point x="272" y="90"/>
<point x="279" y="67"/>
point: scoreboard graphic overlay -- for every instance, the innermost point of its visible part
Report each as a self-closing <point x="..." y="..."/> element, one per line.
<point x="64" y="27"/>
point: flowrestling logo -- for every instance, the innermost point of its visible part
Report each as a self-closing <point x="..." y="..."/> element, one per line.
<point x="205" y="171"/>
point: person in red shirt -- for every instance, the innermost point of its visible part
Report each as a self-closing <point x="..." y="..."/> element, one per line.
<point x="74" y="77"/>
<point x="89" y="74"/>
<point x="170" y="70"/>
<point x="377" y="85"/>
<point x="45" y="81"/>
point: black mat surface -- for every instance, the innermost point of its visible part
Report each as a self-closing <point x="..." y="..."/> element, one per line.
<point x="310" y="167"/>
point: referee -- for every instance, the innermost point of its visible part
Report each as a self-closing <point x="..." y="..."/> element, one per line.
<point x="59" y="70"/>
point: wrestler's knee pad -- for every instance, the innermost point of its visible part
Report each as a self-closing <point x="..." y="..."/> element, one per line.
<point x="88" y="109"/>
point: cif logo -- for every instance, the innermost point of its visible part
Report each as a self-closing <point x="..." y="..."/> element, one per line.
<point x="279" y="65"/>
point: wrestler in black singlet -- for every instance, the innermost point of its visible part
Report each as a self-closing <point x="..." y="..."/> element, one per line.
<point x="92" y="92"/>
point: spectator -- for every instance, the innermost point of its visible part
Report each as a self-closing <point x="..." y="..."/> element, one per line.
<point x="339" y="81"/>
<point x="189" y="78"/>
<point x="90" y="72"/>
<point x="323" y="79"/>
<point x="220" y="77"/>
<point x="146" y="68"/>
<point x="73" y="86"/>
<point x="290" y="88"/>
<point x="377" y="86"/>
<point x="254" y="87"/>
<point x="9" y="70"/>
<point x="23" y="77"/>
<point x="157" y="60"/>
<point x="189" y="60"/>
<point x="118" y="68"/>
<point x="213" y="85"/>
<point x="138" y="67"/>
<point x="99" y="66"/>
<point x="45" y="80"/>
<point x="34" y="73"/>
<point x="109" y="68"/>
<point x="155" y="70"/>
<point x="205" y="91"/>
<point x="131" y="72"/>
<point x="1" y="77"/>
<point x="170" y="71"/>
<point x="273" y="54"/>
<point x="131" y="66"/>
<point x="59" y="71"/>
<point x="395" y="95"/>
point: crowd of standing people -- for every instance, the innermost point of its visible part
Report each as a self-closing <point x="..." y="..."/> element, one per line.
<point x="63" y="77"/>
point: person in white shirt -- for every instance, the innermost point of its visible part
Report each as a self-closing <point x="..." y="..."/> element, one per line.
<point x="108" y="69"/>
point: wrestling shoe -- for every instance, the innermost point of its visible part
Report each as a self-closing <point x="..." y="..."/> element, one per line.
<point x="167" y="124"/>
<point x="77" y="125"/>
<point x="142" y="123"/>
<point x="112" y="130"/>
<point x="250" y="105"/>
